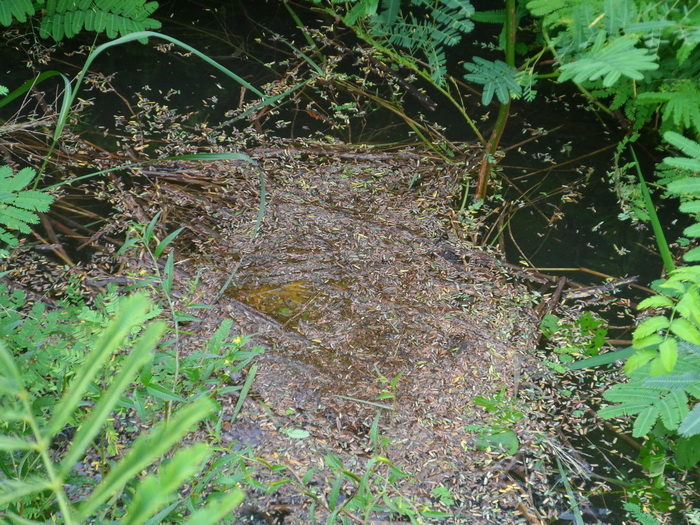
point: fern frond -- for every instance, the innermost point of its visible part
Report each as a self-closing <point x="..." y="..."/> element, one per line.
<point x="691" y="424"/>
<point x="680" y="106"/>
<point x="11" y="10"/>
<point x="619" y="14"/>
<point x="437" y="61"/>
<point x="674" y="381"/>
<point x="626" y="409"/>
<point x="497" y="77"/>
<point x="673" y="409"/>
<point x="631" y="393"/>
<point x="390" y="11"/>
<point x="66" y="18"/>
<point x="496" y="16"/>
<point x="610" y="60"/>
<point x="454" y="15"/>
<point x="687" y="146"/>
<point x="18" y="206"/>
<point x="554" y="12"/>
<point x="410" y="34"/>
<point x="645" y="421"/>
<point x="639" y="515"/>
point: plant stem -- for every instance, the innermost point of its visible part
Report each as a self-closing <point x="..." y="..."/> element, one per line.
<point x="503" y="112"/>
<point x="42" y="447"/>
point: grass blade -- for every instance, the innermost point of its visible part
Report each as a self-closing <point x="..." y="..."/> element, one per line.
<point x="145" y="450"/>
<point x="217" y="508"/>
<point x="654" y="218"/>
<point x="131" y="313"/>
<point x="89" y="428"/>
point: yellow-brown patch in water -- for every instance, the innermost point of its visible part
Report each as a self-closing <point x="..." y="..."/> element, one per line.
<point x="287" y="303"/>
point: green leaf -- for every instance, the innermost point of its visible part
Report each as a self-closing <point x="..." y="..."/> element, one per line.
<point x="650" y="326"/>
<point x="165" y="242"/>
<point x="496" y="76"/>
<point x="155" y="491"/>
<point x="645" y="420"/>
<point x="138" y="356"/>
<point x="656" y="301"/>
<point x="686" y="145"/>
<point x="631" y="393"/>
<point x="131" y="312"/>
<point x="145" y="450"/>
<point x="639" y="359"/>
<point x="685" y="330"/>
<point x="690" y="206"/>
<point x="8" y="443"/>
<point x="673" y="409"/>
<point x="611" y="60"/>
<point x="689" y="306"/>
<point x="691" y="424"/>
<point x="602" y="359"/>
<point x="687" y="452"/>
<point x="295" y="433"/>
<point x="217" y="508"/>
<point x="685" y="186"/>
<point x="507" y="441"/>
<point x="692" y="255"/>
<point x="668" y="354"/>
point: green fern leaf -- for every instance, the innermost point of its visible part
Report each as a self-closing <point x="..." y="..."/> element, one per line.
<point x="68" y="17"/>
<point x="8" y="239"/>
<point x="18" y="206"/>
<point x="631" y="393"/>
<point x="437" y="61"/>
<point x="692" y="231"/>
<point x="619" y="14"/>
<point x="554" y="12"/>
<point x="454" y="15"/>
<point x="390" y="11"/>
<point x="639" y="515"/>
<point x="651" y="326"/>
<point x="645" y="421"/>
<point x="685" y="330"/>
<point x="673" y="382"/>
<point x="689" y="306"/>
<point x="11" y="10"/>
<point x="681" y="107"/>
<point x="16" y="219"/>
<point x="691" y="424"/>
<point x="610" y="60"/>
<point x="687" y="146"/>
<point x="497" y="77"/>
<point x="627" y="409"/>
<point x="686" y="186"/>
<point x="673" y="409"/>
<point x="655" y="301"/>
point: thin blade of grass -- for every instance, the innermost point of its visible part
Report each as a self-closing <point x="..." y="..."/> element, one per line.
<point x="244" y="391"/>
<point x="138" y="356"/>
<point x="146" y="449"/>
<point x="578" y="518"/>
<point x="654" y="218"/>
<point x="131" y="313"/>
